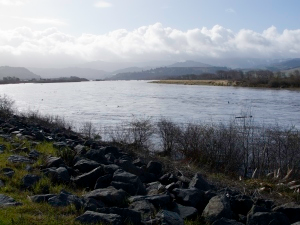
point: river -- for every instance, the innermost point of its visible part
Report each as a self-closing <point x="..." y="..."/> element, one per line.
<point x="106" y="103"/>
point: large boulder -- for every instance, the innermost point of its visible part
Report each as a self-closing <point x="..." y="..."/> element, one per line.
<point x="89" y="179"/>
<point x="109" y="196"/>
<point x="86" y="165"/>
<point x="185" y="212"/>
<point x="267" y="218"/>
<point x="291" y="210"/>
<point x="199" y="182"/>
<point x="57" y="175"/>
<point x="190" y="197"/>
<point x="54" y="162"/>
<point x="20" y="159"/>
<point x="144" y="207"/>
<point x="127" y="166"/>
<point x="128" y="216"/>
<point x="90" y="217"/>
<point x="103" y="181"/>
<point x="154" y="167"/>
<point x="97" y="155"/>
<point x="65" y="199"/>
<point x="132" y="180"/>
<point x="241" y="204"/>
<point x="162" y="201"/>
<point x="169" y="218"/>
<point x="217" y="207"/>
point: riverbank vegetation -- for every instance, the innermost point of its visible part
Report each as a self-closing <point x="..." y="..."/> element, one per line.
<point x="15" y="80"/>
<point x="253" y="78"/>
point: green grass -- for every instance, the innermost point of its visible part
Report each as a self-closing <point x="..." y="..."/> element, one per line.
<point x="30" y="212"/>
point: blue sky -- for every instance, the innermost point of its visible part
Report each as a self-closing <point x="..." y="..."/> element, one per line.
<point x="130" y="30"/>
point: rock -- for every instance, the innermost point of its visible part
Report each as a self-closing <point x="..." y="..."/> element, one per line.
<point x="129" y="167"/>
<point x="103" y="181"/>
<point x="241" y="204"/>
<point x="109" y="196"/>
<point x="65" y="199"/>
<point x="110" y="168"/>
<point x="131" y="179"/>
<point x="34" y="154"/>
<point x="111" y="150"/>
<point x="92" y="204"/>
<point x="185" y="212"/>
<point x="169" y="218"/>
<point x="199" y="182"/>
<point x="89" y="179"/>
<point x="159" y="201"/>
<point x="6" y="201"/>
<point x="54" y="162"/>
<point x="225" y="221"/>
<point x="90" y="217"/>
<point x="110" y="157"/>
<point x="148" y="177"/>
<point x="80" y="149"/>
<point x="217" y="207"/>
<point x="97" y="155"/>
<point x="129" y="188"/>
<point x="60" y="145"/>
<point x="190" y="197"/>
<point x="20" y="159"/>
<point x="144" y="207"/>
<point x="86" y="165"/>
<point x="62" y="175"/>
<point x="138" y="162"/>
<point x="267" y="218"/>
<point x="291" y="210"/>
<point x="8" y="172"/>
<point x="128" y="216"/>
<point x="41" y="198"/>
<point x="29" y="180"/>
<point x="154" y="167"/>
<point x="2" y="183"/>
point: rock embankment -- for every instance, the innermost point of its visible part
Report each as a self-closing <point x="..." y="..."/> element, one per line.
<point x="123" y="189"/>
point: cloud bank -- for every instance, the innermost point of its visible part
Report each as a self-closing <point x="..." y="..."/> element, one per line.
<point x="13" y="2"/>
<point x="153" y="42"/>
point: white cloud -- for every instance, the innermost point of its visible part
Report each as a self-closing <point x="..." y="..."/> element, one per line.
<point x="13" y="2"/>
<point x="47" y="21"/>
<point x="103" y="4"/>
<point x="153" y="42"/>
<point x="230" y="10"/>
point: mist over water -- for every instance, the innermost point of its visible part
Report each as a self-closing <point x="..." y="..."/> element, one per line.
<point x="109" y="103"/>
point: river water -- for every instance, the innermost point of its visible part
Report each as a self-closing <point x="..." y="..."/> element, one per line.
<point x="107" y="103"/>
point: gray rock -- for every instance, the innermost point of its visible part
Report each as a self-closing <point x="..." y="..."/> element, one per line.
<point x="20" y="159"/>
<point x="90" y="217"/>
<point x="89" y="179"/>
<point x="132" y="180"/>
<point x="34" y="154"/>
<point x="29" y="180"/>
<point x="154" y="167"/>
<point x="241" y="204"/>
<point x="217" y="207"/>
<point x="190" y="197"/>
<point x="110" y="168"/>
<point x="109" y="196"/>
<point x="199" y="182"/>
<point x="185" y="212"/>
<point x="103" y="181"/>
<point x="129" y="188"/>
<point x="54" y="162"/>
<point x="144" y="207"/>
<point x="268" y="218"/>
<point x="91" y="204"/>
<point x="65" y="199"/>
<point x="128" y="216"/>
<point x="97" y="155"/>
<point x="159" y="201"/>
<point x="291" y="210"/>
<point x="2" y="183"/>
<point x="6" y="201"/>
<point x="8" y="172"/>
<point x="169" y="218"/>
<point x="224" y="221"/>
<point x="129" y="167"/>
<point x="86" y="165"/>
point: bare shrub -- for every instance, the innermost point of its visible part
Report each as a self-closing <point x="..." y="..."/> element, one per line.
<point x="141" y="131"/>
<point x="88" y="130"/>
<point x="168" y="133"/>
<point x="6" y="106"/>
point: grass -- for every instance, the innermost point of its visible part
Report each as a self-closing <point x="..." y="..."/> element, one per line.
<point x="30" y="212"/>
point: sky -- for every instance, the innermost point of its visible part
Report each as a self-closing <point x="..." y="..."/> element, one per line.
<point x="58" y="33"/>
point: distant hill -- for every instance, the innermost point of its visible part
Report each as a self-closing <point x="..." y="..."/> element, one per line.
<point x="189" y="63"/>
<point x="165" y="72"/>
<point x="87" y="73"/>
<point x="128" y="70"/>
<point x="18" y="72"/>
<point x="286" y="65"/>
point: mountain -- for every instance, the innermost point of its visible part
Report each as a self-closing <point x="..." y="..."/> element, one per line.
<point x="87" y="73"/>
<point x="189" y="63"/>
<point x="18" y="72"/>
<point x="286" y="65"/>
<point x="165" y="72"/>
<point x="128" y="70"/>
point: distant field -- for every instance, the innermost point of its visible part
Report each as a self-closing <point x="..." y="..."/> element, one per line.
<point x="197" y="82"/>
